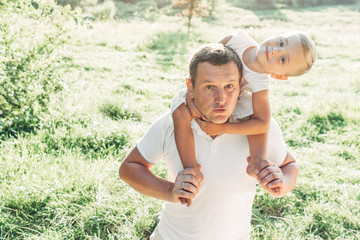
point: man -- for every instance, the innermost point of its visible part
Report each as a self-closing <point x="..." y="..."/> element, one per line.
<point x="222" y="200"/>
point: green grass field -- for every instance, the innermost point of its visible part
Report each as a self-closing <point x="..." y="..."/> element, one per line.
<point x="61" y="181"/>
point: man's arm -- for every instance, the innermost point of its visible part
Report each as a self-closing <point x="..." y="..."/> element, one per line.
<point x="278" y="181"/>
<point x="135" y="171"/>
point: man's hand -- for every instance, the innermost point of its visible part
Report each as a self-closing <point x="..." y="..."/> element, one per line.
<point x="211" y="128"/>
<point x="271" y="178"/>
<point x="186" y="186"/>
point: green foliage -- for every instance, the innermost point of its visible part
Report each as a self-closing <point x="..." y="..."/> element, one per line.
<point x="116" y="112"/>
<point x="275" y="4"/>
<point x="28" y="77"/>
<point x="139" y="10"/>
<point x="192" y="8"/>
<point x="103" y="11"/>
<point x="171" y="47"/>
<point x="77" y="3"/>
<point x="60" y="179"/>
<point x="78" y="139"/>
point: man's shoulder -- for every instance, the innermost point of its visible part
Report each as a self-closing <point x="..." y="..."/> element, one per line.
<point x="163" y="126"/>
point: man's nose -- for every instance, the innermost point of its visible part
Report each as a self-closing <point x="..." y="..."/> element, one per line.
<point x="220" y="96"/>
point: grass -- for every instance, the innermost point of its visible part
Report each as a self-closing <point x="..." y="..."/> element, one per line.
<point x="61" y="182"/>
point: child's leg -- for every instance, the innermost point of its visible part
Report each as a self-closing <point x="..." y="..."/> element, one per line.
<point x="184" y="137"/>
<point x="184" y="140"/>
<point x="257" y="146"/>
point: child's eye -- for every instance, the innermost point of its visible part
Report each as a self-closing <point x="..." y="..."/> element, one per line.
<point x="282" y="59"/>
<point x="281" y="43"/>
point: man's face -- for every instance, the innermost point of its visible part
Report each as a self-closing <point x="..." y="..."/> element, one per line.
<point x="216" y="90"/>
<point x="282" y="54"/>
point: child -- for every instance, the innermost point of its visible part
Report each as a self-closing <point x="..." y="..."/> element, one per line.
<point x="280" y="56"/>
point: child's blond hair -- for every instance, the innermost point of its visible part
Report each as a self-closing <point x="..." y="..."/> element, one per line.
<point x="309" y="53"/>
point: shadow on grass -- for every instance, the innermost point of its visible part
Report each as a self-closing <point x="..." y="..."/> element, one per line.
<point x="273" y="11"/>
<point x="262" y="11"/>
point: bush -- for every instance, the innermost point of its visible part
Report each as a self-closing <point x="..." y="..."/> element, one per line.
<point x="120" y="113"/>
<point x="141" y="9"/>
<point x="103" y="11"/>
<point x="77" y="3"/>
<point x="27" y="65"/>
<point x="89" y="143"/>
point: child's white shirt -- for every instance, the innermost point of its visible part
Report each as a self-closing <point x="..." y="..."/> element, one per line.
<point x="252" y="82"/>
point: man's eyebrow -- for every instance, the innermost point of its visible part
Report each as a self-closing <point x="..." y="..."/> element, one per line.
<point x="207" y="81"/>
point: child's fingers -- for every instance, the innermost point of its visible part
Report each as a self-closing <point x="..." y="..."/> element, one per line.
<point x="205" y="118"/>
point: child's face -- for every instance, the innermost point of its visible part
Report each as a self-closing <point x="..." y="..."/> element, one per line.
<point x="281" y="54"/>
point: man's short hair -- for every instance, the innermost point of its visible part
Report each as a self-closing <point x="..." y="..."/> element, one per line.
<point x="216" y="54"/>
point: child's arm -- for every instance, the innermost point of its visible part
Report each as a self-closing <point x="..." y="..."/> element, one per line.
<point x="226" y="39"/>
<point x="184" y="140"/>
<point x="256" y="128"/>
<point x="184" y="137"/>
<point x="257" y="124"/>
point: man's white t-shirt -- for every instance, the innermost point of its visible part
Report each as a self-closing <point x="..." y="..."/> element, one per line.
<point x="222" y="209"/>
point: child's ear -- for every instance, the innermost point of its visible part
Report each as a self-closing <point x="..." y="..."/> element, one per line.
<point x="279" y="76"/>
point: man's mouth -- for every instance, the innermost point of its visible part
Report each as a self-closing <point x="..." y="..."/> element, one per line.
<point x="219" y="109"/>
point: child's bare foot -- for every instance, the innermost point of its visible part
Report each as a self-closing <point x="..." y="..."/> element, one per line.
<point x="251" y="168"/>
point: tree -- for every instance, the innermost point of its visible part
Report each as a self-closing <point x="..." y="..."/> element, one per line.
<point x="192" y="8"/>
<point x="213" y="4"/>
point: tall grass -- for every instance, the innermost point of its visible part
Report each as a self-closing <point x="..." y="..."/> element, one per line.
<point x="61" y="181"/>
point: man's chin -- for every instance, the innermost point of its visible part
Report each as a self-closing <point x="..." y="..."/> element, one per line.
<point x="218" y="119"/>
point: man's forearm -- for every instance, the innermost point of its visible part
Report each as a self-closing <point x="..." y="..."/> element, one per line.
<point x="140" y="177"/>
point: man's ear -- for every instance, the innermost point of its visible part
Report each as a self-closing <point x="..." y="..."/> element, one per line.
<point x="279" y="76"/>
<point x="189" y="85"/>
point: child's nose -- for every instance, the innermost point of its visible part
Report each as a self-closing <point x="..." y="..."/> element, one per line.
<point x="277" y="51"/>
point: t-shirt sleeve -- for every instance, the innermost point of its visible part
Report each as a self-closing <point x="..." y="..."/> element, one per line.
<point x="276" y="148"/>
<point x="240" y="41"/>
<point x="151" y="145"/>
<point x="180" y="98"/>
<point x="254" y="81"/>
<point x="257" y="81"/>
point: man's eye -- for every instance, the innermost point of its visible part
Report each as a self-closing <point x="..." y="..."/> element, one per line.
<point x="229" y="86"/>
<point x="208" y="87"/>
<point x="282" y="59"/>
<point x="281" y="43"/>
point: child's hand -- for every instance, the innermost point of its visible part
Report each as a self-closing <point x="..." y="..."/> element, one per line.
<point x="200" y="177"/>
<point x="194" y="111"/>
<point x="211" y="128"/>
